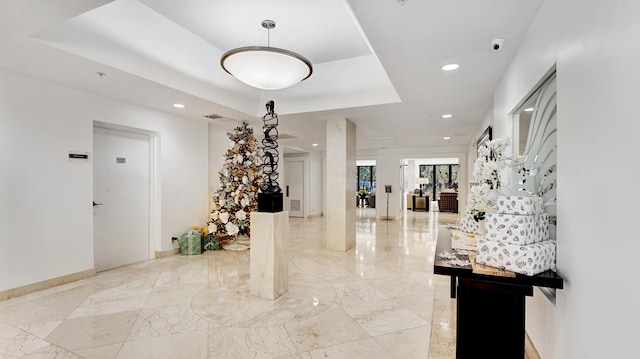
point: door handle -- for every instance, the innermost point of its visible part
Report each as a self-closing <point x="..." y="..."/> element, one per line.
<point x="96" y="204"/>
<point x="287" y="190"/>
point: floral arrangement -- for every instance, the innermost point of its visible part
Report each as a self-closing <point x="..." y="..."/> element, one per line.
<point x="240" y="178"/>
<point x="486" y="171"/>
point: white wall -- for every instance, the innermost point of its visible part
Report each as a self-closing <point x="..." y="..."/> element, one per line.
<point x="218" y="145"/>
<point x="46" y="220"/>
<point x="316" y="184"/>
<point x="595" y="46"/>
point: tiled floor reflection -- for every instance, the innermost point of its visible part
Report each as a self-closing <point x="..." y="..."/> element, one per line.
<point x="378" y="300"/>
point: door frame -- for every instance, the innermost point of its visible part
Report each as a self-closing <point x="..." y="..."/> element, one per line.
<point x="155" y="193"/>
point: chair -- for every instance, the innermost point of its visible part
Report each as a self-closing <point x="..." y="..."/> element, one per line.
<point x="448" y="202"/>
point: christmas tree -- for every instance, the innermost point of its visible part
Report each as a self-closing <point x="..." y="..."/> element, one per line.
<point x="240" y="178"/>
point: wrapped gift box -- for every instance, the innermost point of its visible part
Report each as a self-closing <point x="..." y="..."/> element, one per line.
<point x="468" y="224"/>
<point x="462" y="240"/>
<point x="190" y="243"/>
<point x="517" y="229"/>
<point x="520" y="205"/>
<point x="527" y="259"/>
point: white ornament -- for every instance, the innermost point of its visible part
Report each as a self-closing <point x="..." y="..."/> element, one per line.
<point x="221" y="202"/>
<point x="244" y="201"/>
<point x="212" y="228"/>
<point x="214" y="215"/>
<point x="224" y="217"/>
<point x="241" y="215"/>
<point x="231" y="228"/>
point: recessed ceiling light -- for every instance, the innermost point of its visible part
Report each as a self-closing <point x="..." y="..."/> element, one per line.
<point x="446" y="138"/>
<point x="314" y="144"/>
<point x="529" y="109"/>
<point x="447" y="115"/>
<point x="178" y="105"/>
<point x="449" y="67"/>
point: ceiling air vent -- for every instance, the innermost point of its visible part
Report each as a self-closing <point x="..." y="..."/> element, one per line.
<point x="384" y="138"/>
<point x="222" y="121"/>
<point x="213" y="116"/>
<point x="286" y="136"/>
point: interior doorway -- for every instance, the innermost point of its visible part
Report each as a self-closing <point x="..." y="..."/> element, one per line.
<point x="430" y="183"/>
<point x="294" y="194"/>
<point x="121" y="192"/>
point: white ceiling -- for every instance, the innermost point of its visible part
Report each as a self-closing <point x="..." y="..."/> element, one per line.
<point x="376" y="62"/>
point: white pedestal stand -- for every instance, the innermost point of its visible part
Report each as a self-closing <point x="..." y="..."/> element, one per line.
<point x="269" y="265"/>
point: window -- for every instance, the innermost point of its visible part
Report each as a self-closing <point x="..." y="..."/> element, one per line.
<point x="440" y="177"/>
<point x="366" y="177"/>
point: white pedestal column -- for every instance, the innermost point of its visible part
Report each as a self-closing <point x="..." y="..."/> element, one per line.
<point x="269" y="265"/>
<point x="340" y="185"/>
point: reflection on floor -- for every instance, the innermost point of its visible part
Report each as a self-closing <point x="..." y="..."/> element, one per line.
<point x="378" y="300"/>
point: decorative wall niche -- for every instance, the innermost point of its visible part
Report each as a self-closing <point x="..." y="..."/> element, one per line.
<point x="535" y="146"/>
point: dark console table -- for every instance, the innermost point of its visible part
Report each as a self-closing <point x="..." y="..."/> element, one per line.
<point x="490" y="309"/>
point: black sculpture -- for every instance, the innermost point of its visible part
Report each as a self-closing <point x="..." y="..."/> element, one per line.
<point x="270" y="197"/>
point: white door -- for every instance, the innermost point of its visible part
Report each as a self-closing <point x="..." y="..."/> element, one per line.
<point x="294" y="188"/>
<point x="121" y="189"/>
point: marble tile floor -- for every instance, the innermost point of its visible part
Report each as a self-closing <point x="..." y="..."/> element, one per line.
<point x="378" y="300"/>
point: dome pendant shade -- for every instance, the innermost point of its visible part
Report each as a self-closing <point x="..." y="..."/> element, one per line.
<point x="266" y="68"/>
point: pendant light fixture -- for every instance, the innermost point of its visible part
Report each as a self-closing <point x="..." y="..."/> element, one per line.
<point x="266" y="67"/>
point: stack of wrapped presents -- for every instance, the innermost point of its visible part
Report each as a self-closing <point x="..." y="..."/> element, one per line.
<point x="468" y="224"/>
<point x="517" y="237"/>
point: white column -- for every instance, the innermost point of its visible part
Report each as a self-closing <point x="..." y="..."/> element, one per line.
<point x="388" y="173"/>
<point x="412" y="174"/>
<point x="269" y="265"/>
<point x="341" y="185"/>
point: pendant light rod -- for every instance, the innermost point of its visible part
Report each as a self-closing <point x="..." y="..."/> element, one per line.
<point x="269" y="24"/>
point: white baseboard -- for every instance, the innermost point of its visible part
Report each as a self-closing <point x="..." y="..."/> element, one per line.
<point x="167" y="253"/>
<point x="46" y="284"/>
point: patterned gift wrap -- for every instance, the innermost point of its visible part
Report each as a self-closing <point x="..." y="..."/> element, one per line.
<point x="527" y="259"/>
<point x="190" y="243"/>
<point x="468" y="224"/>
<point x="517" y="229"/>
<point x="520" y="205"/>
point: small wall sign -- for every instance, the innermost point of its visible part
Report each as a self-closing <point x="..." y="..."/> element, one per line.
<point x="122" y="160"/>
<point x="77" y="155"/>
